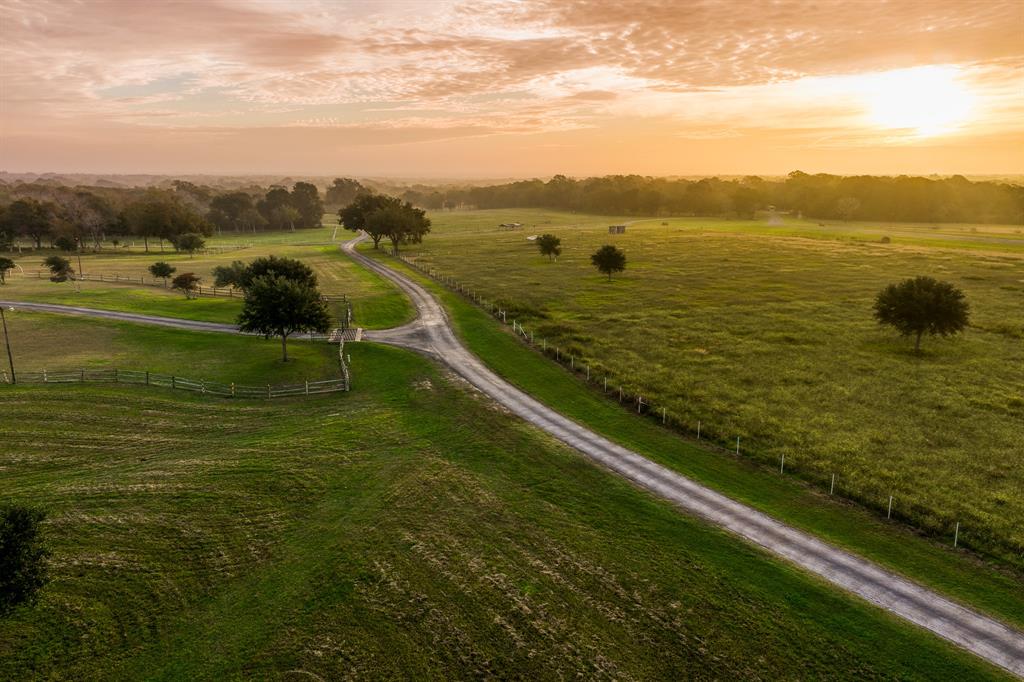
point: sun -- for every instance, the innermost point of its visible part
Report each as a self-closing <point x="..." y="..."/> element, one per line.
<point x="925" y="101"/>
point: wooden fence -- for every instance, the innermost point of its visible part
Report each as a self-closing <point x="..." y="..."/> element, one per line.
<point x="227" y="390"/>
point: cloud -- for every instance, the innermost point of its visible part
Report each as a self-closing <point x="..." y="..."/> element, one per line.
<point x="712" y="69"/>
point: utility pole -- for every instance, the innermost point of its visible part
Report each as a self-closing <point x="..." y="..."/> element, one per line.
<point x="7" y="342"/>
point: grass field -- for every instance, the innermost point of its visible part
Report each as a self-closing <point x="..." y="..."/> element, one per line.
<point x="376" y="304"/>
<point x="406" y="529"/>
<point x="42" y="341"/>
<point x="769" y="337"/>
<point x="992" y="587"/>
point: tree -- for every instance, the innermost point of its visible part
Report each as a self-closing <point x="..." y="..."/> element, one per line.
<point x="609" y="259"/>
<point x="305" y="199"/>
<point x="187" y="283"/>
<point x="190" y="242"/>
<point x="163" y="270"/>
<point x="922" y="305"/>
<point x="23" y="570"/>
<point x="5" y="265"/>
<point x="29" y="218"/>
<point x="279" y="306"/>
<point x="401" y="223"/>
<point x="230" y="275"/>
<point x="60" y="268"/>
<point x="272" y="266"/>
<point x="353" y="217"/>
<point x="343" y="191"/>
<point x="550" y="246"/>
<point x="848" y="207"/>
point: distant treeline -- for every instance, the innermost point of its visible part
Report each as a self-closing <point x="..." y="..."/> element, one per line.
<point x="84" y="216"/>
<point x="864" y="197"/>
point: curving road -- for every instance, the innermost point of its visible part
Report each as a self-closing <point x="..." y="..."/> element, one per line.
<point x="431" y="334"/>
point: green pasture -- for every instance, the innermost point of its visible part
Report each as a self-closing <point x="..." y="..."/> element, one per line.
<point x="41" y="341"/>
<point x="376" y="303"/>
<point x="769" y="338"/>
<point x="990" y="586"/>
<point x="404" y="530"/>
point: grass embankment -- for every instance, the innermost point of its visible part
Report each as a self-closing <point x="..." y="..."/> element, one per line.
<point x="993" y="589"/>
<point x="406" y="529"/>
<point x="376" y="304"/>
<point x="772" y="339"/>
<point x="41" y="341"/>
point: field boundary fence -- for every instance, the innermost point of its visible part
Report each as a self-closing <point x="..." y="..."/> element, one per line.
<point x="962" y="530"/>
<point x="213" y="388"/>
<point x="116" y="375"/>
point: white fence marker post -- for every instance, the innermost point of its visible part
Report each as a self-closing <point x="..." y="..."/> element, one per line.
<point x="663" y="415"/>
<point x="738" y="445"/>
<point x="588" y="372"/>
<point x="782" y="465"/>
<point x="307" y="387"/>
<point x="698" y="429"/>
<point x="956" y="535"/>
<point x="832" y="487"/>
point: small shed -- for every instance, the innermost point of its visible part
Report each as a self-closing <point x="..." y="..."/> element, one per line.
<point x="616" y="229"/>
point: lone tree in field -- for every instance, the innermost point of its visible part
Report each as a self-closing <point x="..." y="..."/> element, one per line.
<point x="609" y="259"/>
<point x="163" y="270"/>
<point x="5" y="265"/>
<point x="187" y="283"/>
<point x="190" y="242"/>
<point x="922" y="305"/>
<point x="22" y="556"/>
<point x="60" y="268"/>
<point x="278" y="306"/>
<point x="550" y="246"/>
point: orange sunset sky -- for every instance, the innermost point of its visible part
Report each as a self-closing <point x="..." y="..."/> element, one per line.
<point x="503" y="89"/>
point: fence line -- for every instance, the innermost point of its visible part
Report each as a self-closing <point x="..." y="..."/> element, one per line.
<point x="721" y="442"/>
<point x="226" y="390"/>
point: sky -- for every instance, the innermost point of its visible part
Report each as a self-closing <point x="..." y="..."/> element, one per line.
<point x="493" y="88"/>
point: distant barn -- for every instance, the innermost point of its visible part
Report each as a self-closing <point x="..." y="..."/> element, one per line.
<point x="616" y="229"/>
<point x="510" y="226"/>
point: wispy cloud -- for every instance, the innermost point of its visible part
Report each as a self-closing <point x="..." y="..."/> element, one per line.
<point x="404" y="72"/>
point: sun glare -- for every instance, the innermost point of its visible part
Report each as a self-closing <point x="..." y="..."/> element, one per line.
<point x="927" y="101"/>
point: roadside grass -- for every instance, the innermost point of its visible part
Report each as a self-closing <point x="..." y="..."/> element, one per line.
<point x="406" y="529"/>
<point x="41" y="341"/>
<point x="994" y="588"/>
<point x="770" y="339"/>
<point x="376" y="303"/>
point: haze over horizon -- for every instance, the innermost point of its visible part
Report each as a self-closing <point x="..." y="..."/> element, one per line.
<point x="501" y="89"/>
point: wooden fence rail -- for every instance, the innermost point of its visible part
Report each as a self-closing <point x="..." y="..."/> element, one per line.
<point x="226" y="390"/>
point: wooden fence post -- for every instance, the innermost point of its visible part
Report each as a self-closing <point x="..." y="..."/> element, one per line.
<point x="268" y="391"/>
<point x="173" y="383"/>
<point x="232" y="389"/>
